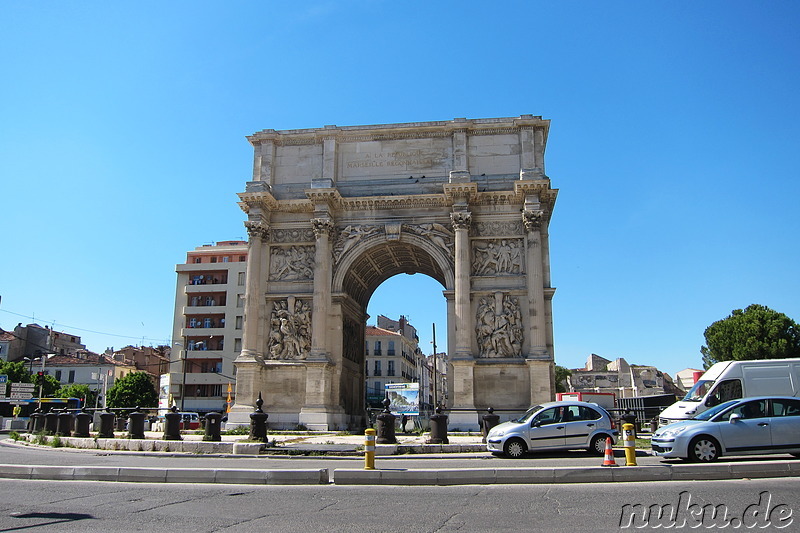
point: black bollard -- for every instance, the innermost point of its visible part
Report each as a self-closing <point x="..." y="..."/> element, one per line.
<point x="50" y="423"/>
<point x="490" y="420"/>
<point x="37" y="421"/>
<point x="385" y="429"/>
<point x="258" y="422"/>
<point x="82" y="421"/>
<point x="172" y="424"/>
<point x="64" y="424"/>
<point x="106" y="425"/>
<point x="136" y="424"/>
<point x="213" y="426"/>
<point x="438" y="428"/>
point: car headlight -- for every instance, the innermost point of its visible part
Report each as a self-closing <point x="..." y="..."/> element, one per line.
<point x="498" y="433"/>
<point x="671" y="433"/>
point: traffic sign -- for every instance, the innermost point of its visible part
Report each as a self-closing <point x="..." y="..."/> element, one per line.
<point x="3" y="378"/>
<point x="21" y="395"/>
<point x="22" y="386"/>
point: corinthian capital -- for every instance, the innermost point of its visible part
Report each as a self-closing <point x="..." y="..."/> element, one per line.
<point x="532" y="219"/>
<point x="321" y="226"/>
<point x="257" y="229"/>
<point x="461" y="219"/>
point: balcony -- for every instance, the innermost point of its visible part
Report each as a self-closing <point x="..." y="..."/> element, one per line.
<point x="203" y="309"/>
<point x="202" y="332"/>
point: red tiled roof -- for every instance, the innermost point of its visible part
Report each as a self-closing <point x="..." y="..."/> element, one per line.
<point x="373" y="330"/>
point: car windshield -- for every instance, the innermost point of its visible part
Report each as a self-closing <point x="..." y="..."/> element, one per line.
<point x="707" y="415"/>
<point x="528" y="414"/>
<point x="699" y="390"/>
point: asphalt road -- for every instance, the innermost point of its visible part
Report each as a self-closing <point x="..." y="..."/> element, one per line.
<point x="70" y="506"/>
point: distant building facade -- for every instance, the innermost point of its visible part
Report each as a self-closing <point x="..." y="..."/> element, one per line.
<point x="623" y="379"/>
<point x="207" y="326"/>
<point x="96" y="371"/>
<point x="153" y="361"/>
<point x="392" y="355"/>
<point x="34" y="340"/>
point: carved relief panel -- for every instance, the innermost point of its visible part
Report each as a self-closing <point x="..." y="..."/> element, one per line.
<point x="497" y="257"/>
<point x="498" y="326"/>
<point x="290" y="330"/>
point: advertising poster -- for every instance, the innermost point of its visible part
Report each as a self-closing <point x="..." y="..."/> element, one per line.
<point x="404" y="398"/>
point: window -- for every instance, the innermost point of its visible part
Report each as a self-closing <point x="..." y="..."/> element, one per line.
<point x="58" y="375"/>
<point x="730" y="389"/>
<point x="193" y="323"/>
<point x="213" y="259"/>
<point x="71" y="377"/>
<point x="241" y="278"/>
<point x="226" y="259"/>
<point x="785" y="408"/>
<point x="239" y="322"/>
<point x="390" y="350"/>
<point x="242" y="258"/>
<point x="240" y="300"/>
<point x="390" y="368"/>
<point x="378" y="348"/>
<point x="197" y="260"/>
<point x="377" y="371"/>
<point x="237" y="345"/>
<point x="208" y="323"/>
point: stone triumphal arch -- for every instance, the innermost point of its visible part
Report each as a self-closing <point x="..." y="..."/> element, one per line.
<point x="333" y="212"/>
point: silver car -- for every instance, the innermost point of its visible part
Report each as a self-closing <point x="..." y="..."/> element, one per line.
<point x="554" y="426"/>
<point x="745" y="426"/>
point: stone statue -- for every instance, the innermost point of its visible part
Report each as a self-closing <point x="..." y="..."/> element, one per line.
<point x="437" y="233"/>
<point x="350" y="236"/>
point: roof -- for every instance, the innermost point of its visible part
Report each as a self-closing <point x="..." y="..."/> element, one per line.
<point x="91" y="359"/>
<point x="6" y="336"/>
<point x="374" y="331"/>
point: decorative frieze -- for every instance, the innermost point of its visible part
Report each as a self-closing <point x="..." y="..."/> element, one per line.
<point x="498" y="327"/>
<point x="497" y="228"/>
<point x="497" y="257"/>
<point x="290" y="330"/>
<point x="290" y="263"/>
<point x="292" y="235"/>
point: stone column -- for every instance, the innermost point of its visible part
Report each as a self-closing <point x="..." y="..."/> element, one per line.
<point x="258" y="231"/>
<point x="322" y="288"/>
<point x="461" y="221"/>
<point x="537" y="332"/>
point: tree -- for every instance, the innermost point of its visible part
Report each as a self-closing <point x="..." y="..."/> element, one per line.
<point x="756" y="332"/>
<point x="133" y="390"/>
<point x="562" y="374"/>
<point x="78" y="390"/>
<point x="16" y="372"/>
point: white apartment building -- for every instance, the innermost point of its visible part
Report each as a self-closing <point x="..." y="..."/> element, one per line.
<point x="392" y="355"/>
<point x="207" y="329"/>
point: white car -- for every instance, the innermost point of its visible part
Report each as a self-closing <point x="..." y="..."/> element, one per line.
<point x="563" y="425"/>
<point x="760" y="425"/>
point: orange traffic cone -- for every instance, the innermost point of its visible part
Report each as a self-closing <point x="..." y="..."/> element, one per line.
<point x="609" y="457"/>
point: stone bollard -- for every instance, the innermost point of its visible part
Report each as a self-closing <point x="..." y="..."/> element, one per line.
<point x="106" y="425"/>
<point x="50" y="423"/>
<point x="258" y="422"/>
<point x="136" y="424"/>
<point x="438" y="428"/>
<point x="213" y="427"/>
<point x="121" y="421"/>
<point x="490" y="420"/>
<point x="82" y="421"/>
<point x="172" y="424"/>
<point x="64" y="424"/>
<point x="37" y="422"/>
<point x="386" y="425"/>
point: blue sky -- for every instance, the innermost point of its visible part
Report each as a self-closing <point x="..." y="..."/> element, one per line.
<point x="674" y="144"/>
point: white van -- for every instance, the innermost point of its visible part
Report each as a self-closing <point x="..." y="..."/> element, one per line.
<point x="729" y="380"/>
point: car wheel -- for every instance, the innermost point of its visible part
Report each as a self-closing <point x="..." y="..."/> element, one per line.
<point x="598" y="445"/>
<point x="515" y="448"/>
<point x="703" y="449"/>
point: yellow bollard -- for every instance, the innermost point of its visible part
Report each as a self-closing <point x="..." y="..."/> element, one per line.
<point x="629" y="444"/>
<point x="369" y="449"/>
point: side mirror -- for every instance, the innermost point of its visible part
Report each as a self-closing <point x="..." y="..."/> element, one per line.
<point x="712" y="401"/>
<point x="536" y="424"/>
<point x="735" y="417"/>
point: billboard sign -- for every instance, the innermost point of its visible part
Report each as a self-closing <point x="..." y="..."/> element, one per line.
<point x="163" y="392"/>
<point x="403" y="398"/>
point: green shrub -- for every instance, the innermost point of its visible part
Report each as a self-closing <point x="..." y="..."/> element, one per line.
<point x="238" y="430"/>
<point x="14" y="435"/>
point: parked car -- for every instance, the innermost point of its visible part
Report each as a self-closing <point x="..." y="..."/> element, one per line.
<point x="765" y="424"/>
<point x="562" y="425"/>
